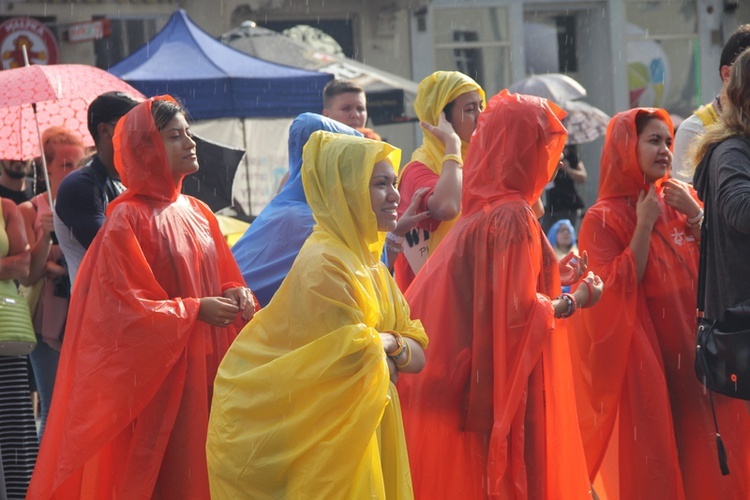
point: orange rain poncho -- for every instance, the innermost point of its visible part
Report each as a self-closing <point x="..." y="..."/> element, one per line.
<point x="434" y="94"/>
<point x="130" y="408"/>
<point x="492" y="415"/>
<point x="303" y="406"/>
<point x="645" y="419"/>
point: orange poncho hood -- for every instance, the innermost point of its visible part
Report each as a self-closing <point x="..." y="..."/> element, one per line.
<point x="140" y="157"/>
<point x="620" y="174"/>
<point x="527" y="165"/>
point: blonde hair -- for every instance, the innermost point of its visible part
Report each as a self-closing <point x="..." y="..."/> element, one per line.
<point x="734" y="119"/>
<point x="56" y="136"/>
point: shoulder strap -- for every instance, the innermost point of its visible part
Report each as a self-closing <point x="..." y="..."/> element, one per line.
<point x="708" y="115"/>
<point x="701" y="302"/>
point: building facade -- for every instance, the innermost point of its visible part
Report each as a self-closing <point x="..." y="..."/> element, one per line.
<point x="625" y="52"/>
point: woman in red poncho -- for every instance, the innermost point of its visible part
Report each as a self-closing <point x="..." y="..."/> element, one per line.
<point x="157" y="301"/>
<point x="493" y="413"/>
<point x="645" y="419"/>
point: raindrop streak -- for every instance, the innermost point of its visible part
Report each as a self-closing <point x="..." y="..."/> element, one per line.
<point x="679" y="361"/>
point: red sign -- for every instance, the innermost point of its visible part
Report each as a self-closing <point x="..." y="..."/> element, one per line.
<point x="18" y="32"/>
<point x="92" y="30"/>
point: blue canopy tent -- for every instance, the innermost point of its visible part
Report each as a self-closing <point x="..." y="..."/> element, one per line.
<point x="216" y="81"/>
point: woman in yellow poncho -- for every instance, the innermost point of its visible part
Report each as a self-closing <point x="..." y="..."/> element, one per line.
<point x="303" y="406"/>
<point x="445" y="98"/>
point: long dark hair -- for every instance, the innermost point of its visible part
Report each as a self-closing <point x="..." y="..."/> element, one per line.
<point x="163" y="111"/>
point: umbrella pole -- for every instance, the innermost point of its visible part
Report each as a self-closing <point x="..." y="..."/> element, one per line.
<point x="246" y="161"/>
<point x="44" y="160"/>
<point x="41" y="149"/>
<point x="39" y="135"/>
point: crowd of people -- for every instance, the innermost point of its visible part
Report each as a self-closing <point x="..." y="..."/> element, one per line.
<point x="380" y="331"/>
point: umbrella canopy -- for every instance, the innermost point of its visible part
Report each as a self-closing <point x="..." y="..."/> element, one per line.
<point x="216" y="81"/>
<point x="556" y="87"/>
<point x="62" y="93"/>
<point x="390" y="98"/>
<point x="212" y="183"/>
<point x="584" y="122"/>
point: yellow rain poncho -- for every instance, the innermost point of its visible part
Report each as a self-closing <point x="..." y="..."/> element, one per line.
<point x="303" y="406"/>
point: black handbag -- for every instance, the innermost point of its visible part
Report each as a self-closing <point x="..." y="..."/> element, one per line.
<point x="722" y="359"/>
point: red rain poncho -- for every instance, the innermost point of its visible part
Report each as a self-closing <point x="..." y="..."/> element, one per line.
<point x="492" y="415"/>
<point x="645" y="418"/>
<point x="130" y="408"/>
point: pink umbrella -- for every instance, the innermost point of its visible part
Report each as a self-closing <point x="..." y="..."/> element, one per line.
<point x="62" y="94"/>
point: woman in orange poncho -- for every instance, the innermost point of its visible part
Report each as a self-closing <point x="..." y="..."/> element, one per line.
<point x="155" y="306"/>
<point x="645" y="419"/>
<point x="492" y="415"/>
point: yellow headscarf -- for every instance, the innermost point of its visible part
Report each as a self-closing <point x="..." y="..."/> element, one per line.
<point x="303" y="406"/>
<point x="433" y="94"/>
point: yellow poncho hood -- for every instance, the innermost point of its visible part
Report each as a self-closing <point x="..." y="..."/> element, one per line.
<point x="336" y="171"/>
<point x="433" y="94"/>
<point x="303" y="407"/>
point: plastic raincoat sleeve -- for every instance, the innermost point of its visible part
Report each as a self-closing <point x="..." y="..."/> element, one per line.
<point x="604" y="350"/>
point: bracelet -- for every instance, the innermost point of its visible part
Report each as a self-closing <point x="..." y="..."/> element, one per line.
<point x="572" y="304"/>
<point x="697" y="220"/>
<point x="408" y="357"/>
<point x="400" y="345"/>
<point x="455" y="158"/>
<point x="395" y="239"/>
<point x="590" y="286"/>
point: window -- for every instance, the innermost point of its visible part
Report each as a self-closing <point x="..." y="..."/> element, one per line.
<point x="550" y="43"/>
<point x="127" y="36"/>
<point x="474" y="41"/>
<point x="663" y="55"/>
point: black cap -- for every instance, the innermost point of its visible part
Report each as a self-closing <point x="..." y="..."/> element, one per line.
<point x="109" y="107"/>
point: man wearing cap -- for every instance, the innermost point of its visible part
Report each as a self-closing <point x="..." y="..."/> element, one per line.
<point x="13" y="182"/>
<point x="83" y="196"/>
